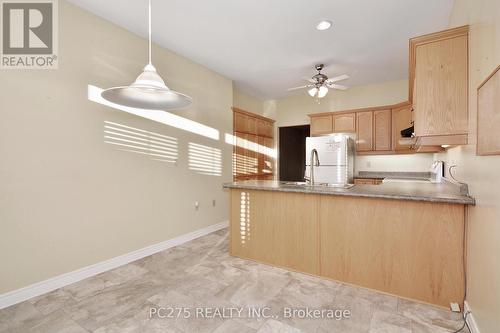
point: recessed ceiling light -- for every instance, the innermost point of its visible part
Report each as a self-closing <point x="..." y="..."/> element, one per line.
<point x="324" y="25"/>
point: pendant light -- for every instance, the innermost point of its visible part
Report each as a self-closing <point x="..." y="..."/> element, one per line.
<point x="149" y="90"/>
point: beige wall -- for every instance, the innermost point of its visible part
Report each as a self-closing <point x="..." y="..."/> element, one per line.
<point x="293" y="110"/>
<point x="247" y="102"/>
<point x="67" y="198"/>
<point x="481" y="173"/>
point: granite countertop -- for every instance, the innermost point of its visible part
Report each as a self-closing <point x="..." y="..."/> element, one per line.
<point x="432" y="192"/>
<point x="390" y="174"/>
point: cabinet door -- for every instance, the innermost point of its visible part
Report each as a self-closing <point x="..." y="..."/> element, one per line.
<point x="363" y="181"/>
<point x="251" y="155"/>
<point x="364" y="130"/>
<point x="239" y="159"/>
<point x="251" y="125"/>
<point x="321" y="125"/>
<point x="401" y="119"/>
<point x="244" y="123"/>
<point x="265" y="128"/>
<point x="440" y="96"/>
<point x="266" y="160"/>
<point x="344" y="123"/>
<point x="240" y="122"/>
<point x="382" y="129"/>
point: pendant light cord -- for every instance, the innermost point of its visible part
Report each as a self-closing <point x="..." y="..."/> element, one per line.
<point x="149" y="46"/>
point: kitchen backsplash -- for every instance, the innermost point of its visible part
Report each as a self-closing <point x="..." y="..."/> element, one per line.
<point x="406" y="163"/>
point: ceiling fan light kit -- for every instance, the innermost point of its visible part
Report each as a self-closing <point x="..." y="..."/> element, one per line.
<point x="320" y="83"/>
<point x="148" y="91"/>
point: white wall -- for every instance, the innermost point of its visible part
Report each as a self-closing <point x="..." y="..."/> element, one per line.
<point x="480" y="172"/>
<point x="67" y="198"/>
<point x="293" y="111"/>
<point x="406" y="163"/>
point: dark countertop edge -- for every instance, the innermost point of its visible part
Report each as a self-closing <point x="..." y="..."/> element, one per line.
<point x="464" y="201"/>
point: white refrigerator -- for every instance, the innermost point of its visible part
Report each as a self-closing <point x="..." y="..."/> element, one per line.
<point x="336" y="159"/>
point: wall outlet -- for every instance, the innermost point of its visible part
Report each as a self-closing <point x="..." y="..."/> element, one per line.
<point x="368" y="164"/>
<point x="196" y="205"/>
<point x="454" y="307"/>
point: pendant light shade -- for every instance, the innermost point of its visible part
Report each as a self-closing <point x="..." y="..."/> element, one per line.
<point x="148" y="91"/>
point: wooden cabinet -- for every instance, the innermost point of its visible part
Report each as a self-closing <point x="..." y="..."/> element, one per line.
<point x="344" y="123"/>
<point x="265" y="128"/>
<point x="364" y="131"/>
<point x="439" y="85"/>
<point x="333" y="123"/>
<point x="382" y="129"/>
<point x="240" y="122"/>
<point x="276" y="228"/>
<point x="367" y="181"/>
<point x="411" y="249"/>
<point x="401" y="119"/>
<point x="321" y="125"/>
<point x="265" y="159"/>
<point x="373" y="127"/>
<point x="253" y="146"/>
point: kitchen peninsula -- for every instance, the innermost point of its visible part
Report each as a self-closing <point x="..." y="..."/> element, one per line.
<point x="404" y="239"/>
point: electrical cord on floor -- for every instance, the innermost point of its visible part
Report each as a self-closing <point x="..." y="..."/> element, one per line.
<point x="464" y="316"/>
<point x="464" y="260"/>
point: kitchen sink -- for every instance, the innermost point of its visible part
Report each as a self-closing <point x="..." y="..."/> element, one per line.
<point x="319" y="185"/>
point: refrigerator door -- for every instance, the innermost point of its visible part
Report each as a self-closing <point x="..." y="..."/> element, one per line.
<point x="332" y="150"/>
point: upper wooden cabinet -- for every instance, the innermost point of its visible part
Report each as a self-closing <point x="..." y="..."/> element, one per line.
<point x="253" y="141"/>
<point x="344" y="123"/>
<point x="371" y="125"/>
<point x="265" y="128"/>
<point x="364" y="131"/>
<point x="321" y="125"/>
<point x="382" y="129"/>
<point x="438" y="86"/>
<point x="401" y="119"/>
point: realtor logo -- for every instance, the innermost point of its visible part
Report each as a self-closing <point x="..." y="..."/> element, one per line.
<point x="29" y="34"/>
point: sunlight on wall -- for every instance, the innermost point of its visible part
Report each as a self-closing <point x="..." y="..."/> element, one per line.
<point x="170" y="119"/>
<point x="244" y="217"/>
<point x="249" y="145"/>
<point x="156" y="146"/>
<point x="205" y="160"/>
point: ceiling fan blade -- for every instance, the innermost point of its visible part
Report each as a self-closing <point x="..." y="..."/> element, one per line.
<point x="301" y="87"/>
<point x="338" y="78"/>
<point x="308" y="80"/>
<point x="337" y="86"/>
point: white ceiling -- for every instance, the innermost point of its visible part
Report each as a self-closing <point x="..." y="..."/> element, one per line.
<point x="267" y="46"/>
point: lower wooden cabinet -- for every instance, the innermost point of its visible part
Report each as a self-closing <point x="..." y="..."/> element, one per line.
<point x="405" y="248"/>
<point x="367" y="181"/>
<point x="411" y="249"/>
<point x="276" y="228"/>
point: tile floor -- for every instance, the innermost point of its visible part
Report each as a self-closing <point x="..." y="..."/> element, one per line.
<point x="185" y="283"/>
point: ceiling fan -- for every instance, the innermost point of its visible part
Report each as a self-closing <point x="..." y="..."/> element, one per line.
<point x="320" y="83"/>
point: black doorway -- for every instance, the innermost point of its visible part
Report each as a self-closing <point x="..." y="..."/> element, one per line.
<point x="292" y="152"/>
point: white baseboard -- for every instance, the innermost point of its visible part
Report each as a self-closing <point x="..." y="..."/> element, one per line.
<point x="470" y="319"/>
<point x="23" y="294"/>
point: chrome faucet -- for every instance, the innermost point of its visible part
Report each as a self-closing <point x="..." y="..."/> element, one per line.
<point x="314" y="162"/>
